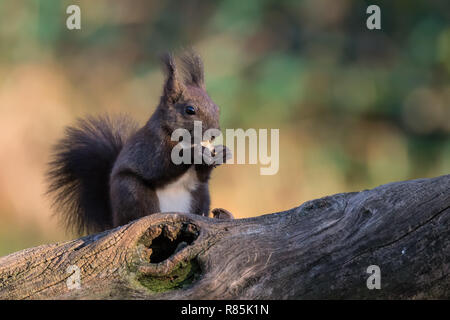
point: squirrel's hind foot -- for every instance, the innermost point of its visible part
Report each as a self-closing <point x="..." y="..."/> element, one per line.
<point x="219" y="213"/>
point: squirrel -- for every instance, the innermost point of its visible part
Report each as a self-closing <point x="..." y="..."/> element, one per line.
<point x="106" y="171"/>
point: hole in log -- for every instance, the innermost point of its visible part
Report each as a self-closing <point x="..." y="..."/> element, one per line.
<point x="161" y="243"/>
<point x="170" y="241"/>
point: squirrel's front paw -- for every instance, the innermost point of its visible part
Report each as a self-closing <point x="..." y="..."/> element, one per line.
<point x="219" y="155"/>
<point x="223" y="152"/>
<point x="219" y="213"/>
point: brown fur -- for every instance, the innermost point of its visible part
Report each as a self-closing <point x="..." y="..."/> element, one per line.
<point x="141" y="163"/>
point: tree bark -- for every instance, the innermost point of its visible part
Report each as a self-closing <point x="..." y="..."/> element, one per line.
<point x="319" y="250"/>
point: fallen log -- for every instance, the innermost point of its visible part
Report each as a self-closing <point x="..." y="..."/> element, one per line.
<point x="322" y="249"/>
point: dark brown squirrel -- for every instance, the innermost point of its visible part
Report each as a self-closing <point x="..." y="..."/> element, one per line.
<point x="106" y="172"/>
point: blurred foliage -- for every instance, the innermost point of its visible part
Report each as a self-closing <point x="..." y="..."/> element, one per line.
<point x="356" y="108"/>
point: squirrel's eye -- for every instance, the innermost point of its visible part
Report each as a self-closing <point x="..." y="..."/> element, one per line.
<point x="190" y="110"/>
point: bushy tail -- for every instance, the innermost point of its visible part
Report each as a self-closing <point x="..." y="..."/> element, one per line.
<point x="80" y="169"/>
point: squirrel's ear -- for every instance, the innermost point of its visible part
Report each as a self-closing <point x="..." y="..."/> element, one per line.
<point x="192" y="67"/>
<point x="173" y="87"/>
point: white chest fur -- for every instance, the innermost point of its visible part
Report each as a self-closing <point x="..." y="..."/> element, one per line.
<point x="176" y="196"/>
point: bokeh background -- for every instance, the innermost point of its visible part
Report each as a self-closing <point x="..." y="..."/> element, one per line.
<point x="355" y="108"/>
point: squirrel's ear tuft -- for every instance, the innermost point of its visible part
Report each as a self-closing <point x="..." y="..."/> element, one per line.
<point x="173" y="87"/>
<point x="192" y="67"/>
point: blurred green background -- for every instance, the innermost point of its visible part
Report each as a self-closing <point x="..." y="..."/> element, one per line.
<point x="356" y="108"/>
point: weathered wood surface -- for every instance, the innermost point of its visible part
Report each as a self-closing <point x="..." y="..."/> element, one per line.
<point x="319" y="250"/>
